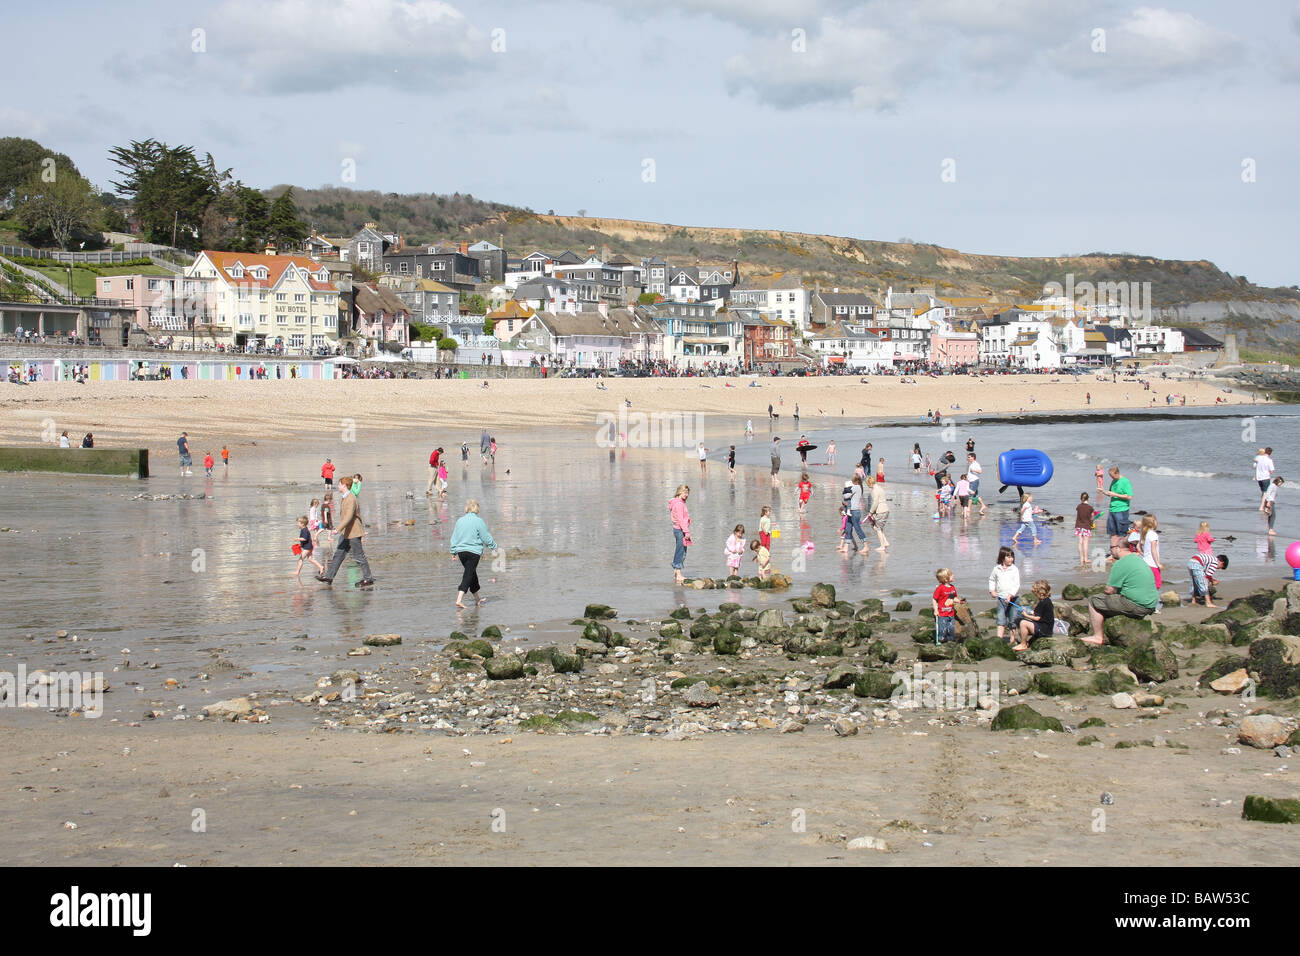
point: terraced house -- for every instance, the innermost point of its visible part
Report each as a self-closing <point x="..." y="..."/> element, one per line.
<point x="241" y="299"/>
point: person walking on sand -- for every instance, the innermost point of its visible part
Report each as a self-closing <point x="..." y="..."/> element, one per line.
<point x="681" y="530"/>
<point x="854" y="492"/>
<point x="770" y="414"/>
<point x="802" y="448"/>
<point x="464" y="451"/>
<point x="1120" y="494"/>
<point x="492" y="450"/>
<point x="225" y="456"/>
<point x="776" y="461"/>
<point x="877" y="514"/>
<point x="435" y="457"/>
<point x="1027" y="512"/>
<point x="731" y="461"/>
<point x="208" y="463"/>
<point x="483" y="445"/>
<point x="468" y="539"/>
<point x="1264" y="469"/>
<point x="442" y="480"/>
<point x="183" y="446"/>
<point x="704" y="458"/>
<point x="805" y="492"/>
<point x="350" y="530"/>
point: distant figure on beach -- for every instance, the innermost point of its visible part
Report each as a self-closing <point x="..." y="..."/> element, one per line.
<point x="749" y="428"/>
<point x="464" y="451"/>
<point x="1270" y="503"/>
<point x="877" y="513"/>
<point x="66" y="442"/>
<point x="492" y="450"/>
<point x="802" y="448"/>
<point x="1264" y="469"/>
<point x="225" y="456"/>
<point x="830" y="452"/>
<point x="435" y="458"/>
<point x="208" y="462"/>
<point x="305" y="548"/>
<point x="731" y="461"/>
<point x="865" y="460"/>
<point x="468" y="539"/>
<point x="483" y="445"/>
<point x="88" y="441"/>
<point x="1084" y="513"/>
<point x="769" y="411"/>
<point x="704" y="458"/>
<point x="974" y="472"/>
<point x="350" y="530"/>
<point x="183" y="446"/>
<point x="327" y="473"/>
<point x="776" y="460"/>
<point x="805" y="492"/>
<point x="681" y="518"/>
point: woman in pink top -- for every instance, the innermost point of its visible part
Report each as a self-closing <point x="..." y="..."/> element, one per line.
<point x="681" y="530"/>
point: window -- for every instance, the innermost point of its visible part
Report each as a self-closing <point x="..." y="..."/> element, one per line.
<point x="300" y="319"/>
<point x="404" y="266"/>
<point x="281" y="297"/>
<point x="440" y="267"/>
<point x="295" y="341"/>
<point x="281" y="318"/>
<point x="155" y="285"/>
<point x="261" y="297"/>
<point x="317" y="341"/>
<point x="299" y="297"/>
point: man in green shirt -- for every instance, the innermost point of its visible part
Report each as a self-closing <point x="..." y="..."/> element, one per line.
<point x="1120" y="494"/>
<point x="1130" y="591"/>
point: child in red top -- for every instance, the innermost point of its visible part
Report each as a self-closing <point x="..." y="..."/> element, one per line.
<point x="805" y="491"/>
<point x="327" y="472"/>
<point x="208" y="463"/>
<point x="1203" y="538"/>
<point x="943" y="601"/>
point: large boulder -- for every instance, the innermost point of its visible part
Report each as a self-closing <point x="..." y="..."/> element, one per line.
<point x="1277" y="662"/>
<point x="823" y="595"/>
<point x="726" y="642"/>
<point x="566" y="663"/>
<point x="771" y="617"/>
<point x="981" y="649"/>
<point x="1193" y="635"/>
<point x="507" y="667"/>
<point x="1270" y="809"/>
<point x="599" y="611"/>
<point x="842" y="675"/>
<point x="1264" y="731"/>
<point x="1224" y="665"/>
<point x="1072" y="592"/>
<point x="882" y="652"/>
<point x="1153" y="661"/>
<point x="1024" y="717"/>
<point x="469" y="650"/>
<point x="1126" y="631"/>
<point x="873" y="683"/>
<point x="1063" y="683"/>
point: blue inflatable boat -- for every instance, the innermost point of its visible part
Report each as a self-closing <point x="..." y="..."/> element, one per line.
<point x="1025" y="467"/>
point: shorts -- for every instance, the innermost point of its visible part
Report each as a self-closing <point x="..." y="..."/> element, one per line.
<point x="1117" y="523"/>
<point x="776" y="466"/>
<point x="186" y="461"/>
<point x="878" y="521"/>
<point x="964" y="500"/>
<point x="945" y="629"/>
<point x="1083" y="532"/>
<point x="1008" y="613"/>
<point x="1200" y="586"/>
<point x="329" y="482"/>
<point x="1110" y="605"/>
<point x="1263" y="484"/>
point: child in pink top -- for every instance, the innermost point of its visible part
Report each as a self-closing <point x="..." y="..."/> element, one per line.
<point x="735" y="549"/>
<point x="1203" y="538"/>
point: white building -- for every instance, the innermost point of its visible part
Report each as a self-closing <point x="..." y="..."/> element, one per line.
<point x="782" y="297"/>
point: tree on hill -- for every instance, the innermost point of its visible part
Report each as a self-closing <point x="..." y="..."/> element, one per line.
<point x="169" y="188"/>
<point x="21" y="162"/>
<point x="475" y="304"/>
<point x="62" y="208"/>
<point x="284" y="228"/>
<point x="489" y="326"/>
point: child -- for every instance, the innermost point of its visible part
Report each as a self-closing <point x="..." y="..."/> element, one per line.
<point x="805" y="491"/>
<point x="464" y="451"/>
<point x="735" y="550"/>
<point x="731" y="460"/>
<point x="945" y="497"/>
<point x="327" y="472"/>
<point x="830" y="452"/>
<point x="1203" y="538"/>
<point x="1042" y="621"/>
<point x="1149" y="545"/>
<point x="765" y="527"/>
<point x="1270" y="504"/>
<point x="225" y="456"/>
<point x="208" y="463"/>
<point x="1027" y="512"/>
<point x="763" y="557"/>
<point x="1101" y="476"/>
<point x="327" y="515"/>
<point x="442" y="479"/>
<point x="962" y="491"/>
<point x="305" y="554"/>
<point x="1004" y="585"/>
<point x="880" y="469"/>
<point x="944" y="602"/>
<point x="1203" y="567"/>
<point x="916" y="459"/>
<point x="313" y="517"/>
<point x="1084" y="513"/>
<point x="492" y="450"/>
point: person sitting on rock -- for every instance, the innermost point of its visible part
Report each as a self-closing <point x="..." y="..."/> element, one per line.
<point x="1130" y="592"/>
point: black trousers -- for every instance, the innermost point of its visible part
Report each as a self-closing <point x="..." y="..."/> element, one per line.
<point x="469" y="580"/>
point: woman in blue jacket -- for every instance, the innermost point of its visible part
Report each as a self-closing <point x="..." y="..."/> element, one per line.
<point x="468" y="539"/>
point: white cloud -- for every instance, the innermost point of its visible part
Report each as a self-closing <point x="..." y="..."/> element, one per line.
<point x="1150" y="45"/>
<point x="311" y="46"/>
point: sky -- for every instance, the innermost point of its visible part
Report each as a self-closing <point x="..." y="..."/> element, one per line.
<point x="1003" y="127"/>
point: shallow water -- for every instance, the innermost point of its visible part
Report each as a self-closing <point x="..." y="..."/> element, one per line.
<point x="123" y="575"/>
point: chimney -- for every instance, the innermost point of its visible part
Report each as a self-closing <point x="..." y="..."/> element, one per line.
<point x="463" y="248"/>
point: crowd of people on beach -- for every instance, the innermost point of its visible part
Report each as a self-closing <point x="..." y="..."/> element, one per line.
<point x="1132" y="557"/>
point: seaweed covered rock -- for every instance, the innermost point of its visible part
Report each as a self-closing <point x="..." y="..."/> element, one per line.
<point x="1277" y="662"/>
<point x="882" y="652"/>
<point x="1221" y="667"/>
<point x="1024" y="717"/>
<point x="599" y="611"/>
<point x="982" y="649"/>
<point x="1153" y="661"/>
<point x="1270" y="809"/>
<point x="1072" y="592"/>
<point x="874" y="683"/>
<point x="467" y="649"/>
<point x="726" y="642"/>
<point x="842" y="675"/>
<point x="508" y="667"/>
<point x="823" y="595"/>
<point x="1126" y="631"/>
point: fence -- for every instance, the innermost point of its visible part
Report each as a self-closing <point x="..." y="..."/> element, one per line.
<point x="133" y="250"/>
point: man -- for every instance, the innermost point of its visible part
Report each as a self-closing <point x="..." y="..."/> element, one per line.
<point x="434" y="460"/>
<point x="974" y="471"/>
<point x="1120" y="494"/>
<point x="349" y="529"/>
<point x="183" y="446"/>
<point x="1130" y="592"/>
<point x="941" y="472"/>
<point x="1264" y="472"/>
<point x="484" y="443"/>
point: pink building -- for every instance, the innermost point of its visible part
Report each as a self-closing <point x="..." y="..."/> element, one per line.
<point x="954" y="348"/>
<point x="154" y="298"/>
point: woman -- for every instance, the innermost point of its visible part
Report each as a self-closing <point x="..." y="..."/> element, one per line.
<point x="468" y="539"/>
<point x="681" y="530"/>
<point x="877" y="514"/>
<point x="88" y="441"/>
<point x="855" y="515"/>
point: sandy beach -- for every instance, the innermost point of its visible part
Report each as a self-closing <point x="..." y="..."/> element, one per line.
<point x="152" y="414"/>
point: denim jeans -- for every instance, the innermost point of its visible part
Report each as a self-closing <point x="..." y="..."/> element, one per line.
<point x="679" y="555"/>
<point x="1200" y="587"/>
<point x="855" y="527"/>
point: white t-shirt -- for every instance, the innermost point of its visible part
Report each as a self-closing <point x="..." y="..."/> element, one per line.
<point x="1271" y="494"/>
<point x="974" y="470"/>
<point x="1263" y="467"/>
<point x="1027" y="512"/>
<point x="1148" y="547"/>
<point x="704" y="453"/>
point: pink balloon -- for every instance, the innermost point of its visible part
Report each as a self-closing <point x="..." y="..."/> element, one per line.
<point x="1293" y="554"/>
